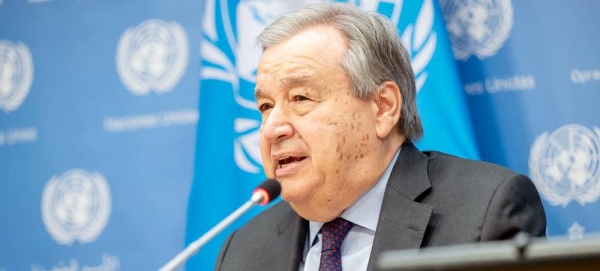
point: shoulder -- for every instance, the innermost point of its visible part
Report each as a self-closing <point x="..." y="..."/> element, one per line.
<point x="263" y="242"/>
<point x="266" y="222"/>
<point x="475" y="182"/>
<point x="441" y="164"/>
<point x="480" y="197"/>
<point x="457" y="173"/>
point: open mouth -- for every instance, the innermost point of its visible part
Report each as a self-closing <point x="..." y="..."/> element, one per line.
<point x="288" y="161"/>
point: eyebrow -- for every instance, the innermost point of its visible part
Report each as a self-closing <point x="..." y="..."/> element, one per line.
<point x="295" y="80"/>
<point x="289" y="81"/>
<point x="257" y="93"/>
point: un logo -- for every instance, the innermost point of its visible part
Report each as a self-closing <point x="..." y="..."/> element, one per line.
<point x="76" y="206"/>
<point x="16" y="74"/>
<point x="152" y="56"/>
<point x="564" y="165"/>
<point x="229" y="54"/>
<point x="477" y="28"/>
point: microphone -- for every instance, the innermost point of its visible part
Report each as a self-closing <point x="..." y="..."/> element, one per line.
<point x="263" y="194"/>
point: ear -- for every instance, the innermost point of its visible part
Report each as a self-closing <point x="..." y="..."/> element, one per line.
<point x="389" y="103"/>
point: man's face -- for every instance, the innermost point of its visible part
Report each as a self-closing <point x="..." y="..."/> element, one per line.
<point x="317" y="139"/>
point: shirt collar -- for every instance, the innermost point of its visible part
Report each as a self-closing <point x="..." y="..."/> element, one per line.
<point x="365" y="211"/>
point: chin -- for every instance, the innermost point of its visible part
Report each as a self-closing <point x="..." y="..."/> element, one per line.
<point x="315" y="214"/>
<point x="293" y="197"/>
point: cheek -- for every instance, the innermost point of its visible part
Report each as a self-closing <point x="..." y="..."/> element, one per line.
<point x="330" y="148"/>
<point x="265" y="152"/>
<point x="354" y="140"/>
<point x="338" y="137"/>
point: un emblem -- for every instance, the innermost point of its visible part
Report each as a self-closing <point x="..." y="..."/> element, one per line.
<point x="16" y="74"/>
<point x="564" y="165"/>
<point x="152" y="56"/>
<point x="229" y="54"/>
<point x="76" y="206"/>
<point x="477" y="28"/>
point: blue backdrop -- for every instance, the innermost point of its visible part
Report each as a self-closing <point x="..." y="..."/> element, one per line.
<point x="111" y="158"/>
<point x="98" y="119"/>
<point x="533" y="84"/>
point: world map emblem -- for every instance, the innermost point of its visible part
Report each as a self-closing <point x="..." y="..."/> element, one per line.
<point x="76" y="206"/>
<point x="152" y="56"/>
<point x="476" y="27"/>
<point x="229" y="54"/>
<point x="16" y="74"/>
<point x="564" y="165"/>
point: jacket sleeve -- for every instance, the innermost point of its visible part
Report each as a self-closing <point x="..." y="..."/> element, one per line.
<point x="514" y="207"/>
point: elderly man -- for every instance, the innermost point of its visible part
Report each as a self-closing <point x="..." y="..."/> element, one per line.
<point x="337" y="96"/>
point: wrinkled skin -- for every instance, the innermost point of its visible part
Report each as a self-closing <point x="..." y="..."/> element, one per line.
<point x="325" y="146"/>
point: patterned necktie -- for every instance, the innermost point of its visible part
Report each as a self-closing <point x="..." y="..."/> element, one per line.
<point x="333" y="233"/>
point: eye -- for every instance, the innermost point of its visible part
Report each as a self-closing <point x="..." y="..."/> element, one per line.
<point x="264" y="107"/>
<point x="299" y="98"/>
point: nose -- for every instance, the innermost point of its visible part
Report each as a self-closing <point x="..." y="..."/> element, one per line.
<point x="277" y="127"/>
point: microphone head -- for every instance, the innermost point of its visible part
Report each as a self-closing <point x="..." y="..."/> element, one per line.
<point x="269" y="190"/>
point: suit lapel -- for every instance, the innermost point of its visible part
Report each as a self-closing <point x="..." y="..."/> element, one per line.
<point x="290" y="245"/>
<point x="402" y="222"/>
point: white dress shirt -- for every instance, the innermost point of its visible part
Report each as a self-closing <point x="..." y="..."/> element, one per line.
<point x="356" y="248"/>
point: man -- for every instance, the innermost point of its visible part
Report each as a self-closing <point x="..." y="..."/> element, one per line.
<point x="337" y="96"/>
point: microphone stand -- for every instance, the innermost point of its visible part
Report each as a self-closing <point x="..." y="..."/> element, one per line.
<point x="193" y="247"/>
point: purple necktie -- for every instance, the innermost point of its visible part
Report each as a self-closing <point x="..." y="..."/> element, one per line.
<point x="333" y="233"/>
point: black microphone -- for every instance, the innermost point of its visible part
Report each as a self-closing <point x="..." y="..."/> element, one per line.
<point x="263" y="194"/>
<point x="269" y="190"/>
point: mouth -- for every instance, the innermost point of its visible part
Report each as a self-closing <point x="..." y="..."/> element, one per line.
<point x="282" y="163"/>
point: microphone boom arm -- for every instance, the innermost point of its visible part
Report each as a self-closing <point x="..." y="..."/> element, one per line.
<point x="193" y="247"/>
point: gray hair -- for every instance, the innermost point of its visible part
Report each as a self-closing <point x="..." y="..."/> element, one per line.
<point x="375" y="53"/>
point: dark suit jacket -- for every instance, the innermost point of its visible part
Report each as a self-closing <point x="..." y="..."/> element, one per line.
<point x="431" y="199"/>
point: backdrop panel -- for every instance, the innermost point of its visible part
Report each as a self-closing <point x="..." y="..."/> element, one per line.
<point x="98" y="116"/>
<point x="532" y="74"/>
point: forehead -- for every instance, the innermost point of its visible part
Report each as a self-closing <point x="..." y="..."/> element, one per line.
<point x="308" y="55"/>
